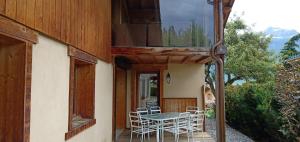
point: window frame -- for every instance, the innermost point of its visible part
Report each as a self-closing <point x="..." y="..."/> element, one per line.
<point x="76" y="56"/>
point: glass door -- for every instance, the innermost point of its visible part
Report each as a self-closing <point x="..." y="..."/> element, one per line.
<point x="148" y="87"/>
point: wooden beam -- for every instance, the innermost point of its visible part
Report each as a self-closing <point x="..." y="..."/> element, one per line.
<point x="81" y="55"/>
<point x="154" y="59"/>
<point x="160" y="51"/>
<point x="208" y="59"/>
<point x="15" y="30"/>
<point x="139" y="59"/>
<point x="187" y="58"/>
<point x="168" y="59"/>
<point x="149" y="67"/>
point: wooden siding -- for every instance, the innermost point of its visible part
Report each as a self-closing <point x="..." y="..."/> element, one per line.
<point x="178" y="104"/>
<point x="84" y="24"/>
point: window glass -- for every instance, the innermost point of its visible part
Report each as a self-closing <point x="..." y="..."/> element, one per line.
<point x="163" y="23"/>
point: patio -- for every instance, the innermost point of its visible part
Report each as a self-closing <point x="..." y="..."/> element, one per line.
<point x="232" y="135"/>
<point x="125" y="137"/>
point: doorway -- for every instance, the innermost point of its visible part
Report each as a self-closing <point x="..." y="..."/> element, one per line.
<point x="121" y="99"/>
<point x="148" y="89"/>
<point x="15" y="56"/>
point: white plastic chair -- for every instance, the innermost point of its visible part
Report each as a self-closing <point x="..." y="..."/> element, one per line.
<point x="139" y="126"/>
<point x="182" y="126"/>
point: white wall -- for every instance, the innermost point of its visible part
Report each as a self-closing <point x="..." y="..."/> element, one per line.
<point x="186" y="81"/>
<point x="50" y="96"/>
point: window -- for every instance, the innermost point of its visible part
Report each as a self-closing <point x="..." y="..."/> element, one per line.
<point x="82" y="92"/>
<point x="163" y="23"/>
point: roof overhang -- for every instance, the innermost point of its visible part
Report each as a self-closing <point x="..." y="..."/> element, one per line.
<point x="227" y="6"/>
<point x="162" y="55"/>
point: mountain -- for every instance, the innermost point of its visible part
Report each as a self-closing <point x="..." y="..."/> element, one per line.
<point x="280" y="36"/>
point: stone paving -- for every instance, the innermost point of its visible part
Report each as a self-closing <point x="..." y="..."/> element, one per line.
<point x="232" y="135"/>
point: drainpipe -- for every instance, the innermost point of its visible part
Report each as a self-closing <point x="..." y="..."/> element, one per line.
<point x="218" y="55"/>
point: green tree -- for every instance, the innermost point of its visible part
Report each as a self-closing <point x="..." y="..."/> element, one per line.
<point x="290" y="47"/>
<point x="247" y="58"/>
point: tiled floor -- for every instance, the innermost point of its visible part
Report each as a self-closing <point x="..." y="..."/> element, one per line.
<point x="198" y="137"/>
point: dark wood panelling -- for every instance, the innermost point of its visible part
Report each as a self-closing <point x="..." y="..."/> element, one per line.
<point x="84" y="24"/>
<point x="15" y="89"/>
<point x="133" y="90"/>
<point x="120" y="98"/>
<point x="12" y="92"/>
<point x="178" y="104"/>
<point x="85" y="90"/>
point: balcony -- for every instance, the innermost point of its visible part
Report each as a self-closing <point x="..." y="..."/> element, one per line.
<point x="163" y="23"/>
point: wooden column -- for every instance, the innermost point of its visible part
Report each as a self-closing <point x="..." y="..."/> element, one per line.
<point x="220" y="99"/>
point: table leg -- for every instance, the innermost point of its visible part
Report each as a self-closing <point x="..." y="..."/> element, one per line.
<point x="157" y="132"/>
<point x="162" y="131"/>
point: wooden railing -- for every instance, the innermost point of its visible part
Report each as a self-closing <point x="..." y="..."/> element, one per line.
<point x="178" y="104"/>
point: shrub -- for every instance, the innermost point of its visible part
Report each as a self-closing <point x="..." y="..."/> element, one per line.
<point x="250" y="109"/>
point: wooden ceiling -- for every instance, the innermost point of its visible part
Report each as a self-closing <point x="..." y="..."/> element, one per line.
<point x="162" y="55"/>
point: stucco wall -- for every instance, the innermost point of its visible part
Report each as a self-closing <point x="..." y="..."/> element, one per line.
<point x="50" y="96"/>
<point x="186" y="81"/>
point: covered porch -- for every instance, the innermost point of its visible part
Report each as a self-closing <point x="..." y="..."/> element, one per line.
<point x="172" y="79"/>
<point x="159" y="56"/>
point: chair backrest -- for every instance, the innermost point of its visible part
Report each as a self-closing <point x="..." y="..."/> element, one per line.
<point x="155" y="109"/>
<point x="134" y="120"/>
<point x="142" y="111"/>
<point x="150" y="104"/>
<point x="183" y="121"/>
<point x="192" y="109"/>
<point x="197" y="119"/>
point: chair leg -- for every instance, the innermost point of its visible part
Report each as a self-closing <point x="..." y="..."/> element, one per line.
<point x="131" y="136"/>
<point x="148" y="136"/>
<point x="192" y="136"/>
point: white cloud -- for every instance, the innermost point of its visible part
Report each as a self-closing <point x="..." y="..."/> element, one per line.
<point x="269" y="13"/>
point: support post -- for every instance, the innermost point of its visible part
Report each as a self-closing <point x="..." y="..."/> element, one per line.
<point x="220" y="99"/>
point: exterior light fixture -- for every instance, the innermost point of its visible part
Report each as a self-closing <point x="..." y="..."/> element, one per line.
<point x="168" y="78"/>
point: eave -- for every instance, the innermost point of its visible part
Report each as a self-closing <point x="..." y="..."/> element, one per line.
<point x="162" y="55"/>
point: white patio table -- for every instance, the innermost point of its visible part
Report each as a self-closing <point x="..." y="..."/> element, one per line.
<point x="160" y="118"/>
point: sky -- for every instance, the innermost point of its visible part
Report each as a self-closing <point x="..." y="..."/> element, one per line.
<point x="269" y="13"/>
